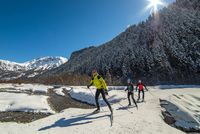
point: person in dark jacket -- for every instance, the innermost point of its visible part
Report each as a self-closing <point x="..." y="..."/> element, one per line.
<point x="140" y="87"/>
<point x="130" y="89"/>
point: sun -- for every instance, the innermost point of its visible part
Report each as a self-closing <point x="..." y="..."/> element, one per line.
<point x="154" y="5"/>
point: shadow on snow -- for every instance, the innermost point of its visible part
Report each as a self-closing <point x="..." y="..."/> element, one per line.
<point x="63" y="122"/>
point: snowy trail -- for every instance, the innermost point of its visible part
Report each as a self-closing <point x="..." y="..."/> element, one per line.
<point x="146" y="120"/>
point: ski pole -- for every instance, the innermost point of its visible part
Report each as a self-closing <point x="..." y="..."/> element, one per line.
<point x="103" y="109"/>
<point x="91" y="92"/>
<point x="122" y="106"/>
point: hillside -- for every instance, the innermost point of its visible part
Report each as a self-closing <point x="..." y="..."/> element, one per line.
<point x="164" y="49"/>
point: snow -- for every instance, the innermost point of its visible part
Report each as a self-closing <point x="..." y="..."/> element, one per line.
<point x="10" y="66"/>
<point x="176" y="86"/>
<point x="38" y="64"/>
<point x="184" y="120"/>
<point x="82" y="94"/>
<point x="33" y="75"/>
<point x="87" y="95"/>
<point x="45" y="63"/>
<point x="190" y="104"/>
<point x="146" y="120"/>
<point x="29" y="87"/>
<point x="59" y="91"/>
<point x="24" y="103"/>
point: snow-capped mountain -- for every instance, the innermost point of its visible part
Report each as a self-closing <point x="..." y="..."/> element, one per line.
<point x="11" y="66"/>
<point x="45" y="63"/>
<point x="12" y="70"/>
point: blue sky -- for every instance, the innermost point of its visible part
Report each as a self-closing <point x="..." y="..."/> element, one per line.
<point x="35" y="28"/>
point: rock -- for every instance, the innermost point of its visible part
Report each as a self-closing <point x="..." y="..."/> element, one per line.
<point x="168" y="118"/>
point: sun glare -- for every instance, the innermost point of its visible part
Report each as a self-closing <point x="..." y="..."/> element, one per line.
<point x="154" y="5"/>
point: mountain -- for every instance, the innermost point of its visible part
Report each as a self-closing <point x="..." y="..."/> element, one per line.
<point x="45" y="63"/>
<point x="165" y="49"/>
<point x="10" y="66"/>
<point x="12" y="70"/>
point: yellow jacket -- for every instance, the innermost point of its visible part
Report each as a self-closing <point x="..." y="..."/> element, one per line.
<point x="98" y="82"/>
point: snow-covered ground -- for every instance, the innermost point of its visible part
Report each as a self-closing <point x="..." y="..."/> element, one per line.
<point x="146" y="120"/>
<point x="24" y="103"/>
<point x="59" y="91"/>
<point x="13" y="98"/>
<point x="26" y="87"/>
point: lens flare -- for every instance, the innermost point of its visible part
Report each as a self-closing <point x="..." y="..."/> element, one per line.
<point x="154" y="5"/>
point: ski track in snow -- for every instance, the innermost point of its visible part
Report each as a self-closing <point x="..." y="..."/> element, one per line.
<point x="146" y="120"/>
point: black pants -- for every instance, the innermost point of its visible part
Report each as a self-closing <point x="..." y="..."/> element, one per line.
<point x="98" y="92"/>
<point x="130" y="94"/>
<point x="142" y="94"/>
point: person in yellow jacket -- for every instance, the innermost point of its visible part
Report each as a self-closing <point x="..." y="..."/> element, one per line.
<point x="101" y="86"/>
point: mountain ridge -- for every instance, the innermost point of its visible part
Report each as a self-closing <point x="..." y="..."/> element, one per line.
<point x="13" y="70"/>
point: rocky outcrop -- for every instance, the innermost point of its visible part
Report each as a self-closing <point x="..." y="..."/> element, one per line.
<point x="176" y="117"/>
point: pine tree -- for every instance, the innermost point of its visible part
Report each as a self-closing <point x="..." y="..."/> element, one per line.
<point x="108" y="78"/>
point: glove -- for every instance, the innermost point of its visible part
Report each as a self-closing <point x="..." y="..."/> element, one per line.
<point x="106" y="92"/>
